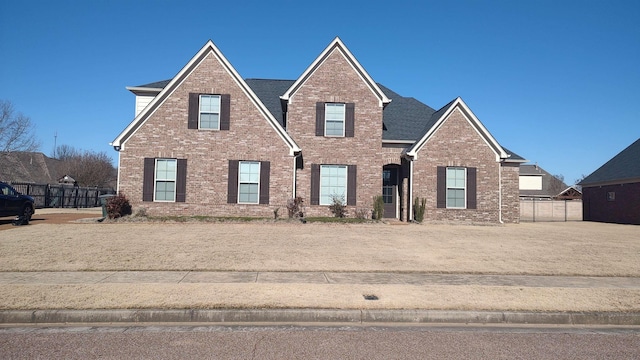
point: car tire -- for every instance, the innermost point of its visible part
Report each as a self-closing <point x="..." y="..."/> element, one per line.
<point x="26" y="213"/>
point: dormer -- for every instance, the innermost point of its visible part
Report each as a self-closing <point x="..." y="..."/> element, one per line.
<point x="146" y="93"/>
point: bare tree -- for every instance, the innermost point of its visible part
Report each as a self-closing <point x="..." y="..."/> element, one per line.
<point x="65" y="152"/>
<point x="17" y="133"/>
<point x="88" y="168"/>
<point x="556" y="185"/>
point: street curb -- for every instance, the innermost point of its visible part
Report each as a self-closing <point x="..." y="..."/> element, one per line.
<point x="274" y="316"/>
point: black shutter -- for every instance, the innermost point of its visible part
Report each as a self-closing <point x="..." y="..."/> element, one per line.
<point x="471" y="188"/>
<point x="349" y="119"/>
<point x="352" y="184"/>
<point x="194" y="110"/>
<point x="225" y="111"/>
<point x="315" y="184"/>
<point x="147" y="180"/>
<point x="441" y="187"/>
<point x="232" y="188"/>
<point x="265" y="167"/>
<point x="181" y="181"/>
<point x="320" y="119"/>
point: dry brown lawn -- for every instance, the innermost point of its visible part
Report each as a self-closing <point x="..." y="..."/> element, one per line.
<point x="574" y="248"/>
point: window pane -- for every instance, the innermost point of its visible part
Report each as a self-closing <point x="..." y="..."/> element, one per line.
<point x="165" y="169"/>
<point x="165" y="191"/>
<point x="333" y="183"/>
<point x="209" y="103"/>
<point x="455" y="198"/>
<point x="209" y="121"/>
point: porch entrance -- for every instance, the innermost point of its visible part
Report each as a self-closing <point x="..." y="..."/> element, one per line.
<point x="390" y="192"/>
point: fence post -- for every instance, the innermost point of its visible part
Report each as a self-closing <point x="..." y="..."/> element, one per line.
<point x="534" y="209"/>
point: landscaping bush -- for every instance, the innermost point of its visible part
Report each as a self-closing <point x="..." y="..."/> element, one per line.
<point x="362" y="213"/>
<point x="338" y="207"/>
<point x="378" y="207"/>
<point x="118" y="206"/>
<point x="294" y="207"/>
<point x="419" y="205"/>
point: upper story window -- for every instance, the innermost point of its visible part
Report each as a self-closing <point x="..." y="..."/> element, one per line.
<point x="209" y="111"/>
<point x="165" y="180"/>
<point x="456" y="187"/>
<point x="334" y="119"/>
<point x="209" y="116"/>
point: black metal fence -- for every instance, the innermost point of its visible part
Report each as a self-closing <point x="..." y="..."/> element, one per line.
<point x="62" y="195"/>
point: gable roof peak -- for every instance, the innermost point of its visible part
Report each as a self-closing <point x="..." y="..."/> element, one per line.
<point x="337" y="44"/>
<point x="208" y="48"/>
<point x="440" y="116"/>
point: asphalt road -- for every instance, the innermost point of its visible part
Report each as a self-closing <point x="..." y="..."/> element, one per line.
<point x="291" y="342"/>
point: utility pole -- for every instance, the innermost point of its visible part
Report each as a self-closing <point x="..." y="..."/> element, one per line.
<point x="55" y="146"/>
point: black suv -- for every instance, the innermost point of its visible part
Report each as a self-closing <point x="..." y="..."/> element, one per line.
<point x="12" y="203"/>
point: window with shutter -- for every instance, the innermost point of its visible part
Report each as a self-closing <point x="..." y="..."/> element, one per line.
<point x="209" y="111"/>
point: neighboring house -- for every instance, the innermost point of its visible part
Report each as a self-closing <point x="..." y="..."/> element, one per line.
<point x="612" y="192"/>
<point x="209" y="142"/>
<point x="537" y="183"/>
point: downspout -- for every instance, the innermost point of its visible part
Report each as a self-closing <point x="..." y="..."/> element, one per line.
<point x="410" y="215"/>
<point x="295" y="164"/>
<point x="118" y="179"/>
<point x="500" y="192"/>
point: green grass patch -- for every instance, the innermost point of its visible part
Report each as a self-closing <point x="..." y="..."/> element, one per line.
<point x="327" y="219"/>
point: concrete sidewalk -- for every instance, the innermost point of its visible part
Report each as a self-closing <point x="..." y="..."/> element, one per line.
<point x="216" y="277"/>
<point x="315" y="315"/>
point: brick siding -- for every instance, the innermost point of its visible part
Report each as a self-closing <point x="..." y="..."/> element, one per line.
<point x="165" y="135"/>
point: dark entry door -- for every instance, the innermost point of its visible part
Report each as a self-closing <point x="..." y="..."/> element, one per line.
<point x="390" y="191"/>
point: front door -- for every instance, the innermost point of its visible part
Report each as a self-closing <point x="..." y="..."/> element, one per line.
<point x="390" y="191"/>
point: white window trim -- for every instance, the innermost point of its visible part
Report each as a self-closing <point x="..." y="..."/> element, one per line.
<point x="200" y="112"/>
<point x="457" y="188"/>
<point x="239" y="182"/>
<point x="346" y="183"/>
<point x="155" y="180"/>
<point x="344" y="119"/>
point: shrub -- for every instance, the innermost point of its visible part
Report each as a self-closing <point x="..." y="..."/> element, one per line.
<point x="294" y="207"/>
<point x="141" y="212"/>
<point x="118" y="206"/>
<point x="419" y="205"/>
<point x="338" y="207"/>
<point x="362" y="213"/>
<point x="378" y="207"/>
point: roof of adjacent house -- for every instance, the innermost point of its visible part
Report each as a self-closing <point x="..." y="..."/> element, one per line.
<point x="404" y="118"/>
<point x="622" y="168"/>
<point x="30" y="167"/>
<point x="551" y="186"/>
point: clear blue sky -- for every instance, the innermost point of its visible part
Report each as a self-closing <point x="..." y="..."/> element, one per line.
<point x="555" y="81"/>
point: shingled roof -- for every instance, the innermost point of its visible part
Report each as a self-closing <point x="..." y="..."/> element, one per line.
<point x="31" y="167"/>
<point x="622" y="168"/>
<point x="404" y="118"/>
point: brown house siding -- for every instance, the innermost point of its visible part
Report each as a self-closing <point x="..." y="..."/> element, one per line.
<point x="622" y="207"/>
<point x="166" y="134"/>
<point x="336" y="81"/>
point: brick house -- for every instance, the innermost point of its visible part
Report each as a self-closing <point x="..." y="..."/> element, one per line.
<point x="209" y="142"/>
